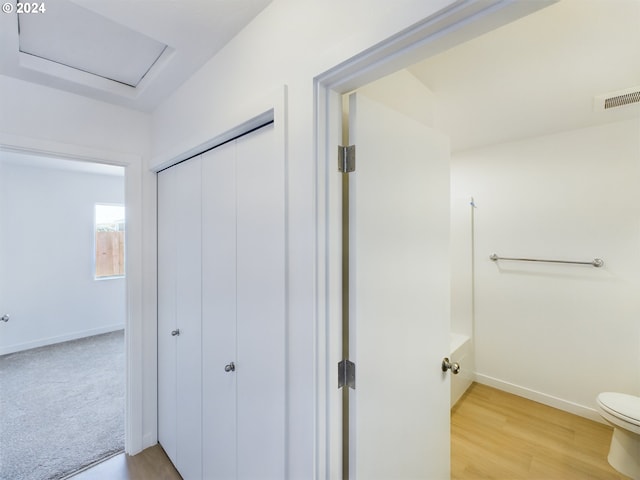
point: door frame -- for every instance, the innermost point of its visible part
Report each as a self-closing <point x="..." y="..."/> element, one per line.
<point x="454" y="25"/>
<point x="134" y="339"/>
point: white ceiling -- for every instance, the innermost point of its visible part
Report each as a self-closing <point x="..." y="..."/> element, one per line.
<point x="537" y="75"/>
<point x="193" y="30"/>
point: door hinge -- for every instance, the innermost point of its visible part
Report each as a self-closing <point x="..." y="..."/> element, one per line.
<point x="347" y="374"/>
<point x="346" y="158"/>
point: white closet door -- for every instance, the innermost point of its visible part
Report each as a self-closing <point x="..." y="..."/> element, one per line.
<point x="189" y="311"/>
<point x="222" y="285"/>
<point x="219" y="312"/>
<point x="167" y="319"/>
<point x="260" y="307"/>
<point x="179" y="326"/>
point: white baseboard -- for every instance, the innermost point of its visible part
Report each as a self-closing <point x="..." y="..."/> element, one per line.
<point x="540" y="397"/>
<point x="42" y="342"/>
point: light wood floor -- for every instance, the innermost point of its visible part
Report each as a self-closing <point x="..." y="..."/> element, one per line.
<point x="501" y="436"/>
<point x="150" y="464"/>
<point x="494" y="435"/>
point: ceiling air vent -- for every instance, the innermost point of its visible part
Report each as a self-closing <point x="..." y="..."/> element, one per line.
<point x="620" y="98"/>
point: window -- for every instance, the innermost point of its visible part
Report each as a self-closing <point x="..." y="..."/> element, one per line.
<point x="109" y="234"/>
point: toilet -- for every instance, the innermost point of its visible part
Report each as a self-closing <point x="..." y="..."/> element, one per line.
<point x="623" y="412"/>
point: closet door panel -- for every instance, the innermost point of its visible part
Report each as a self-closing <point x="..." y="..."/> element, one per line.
<point x="219" y="312"/>
<point x="167" y="344"/>
<point x="189" y="312"/>
<point x="260" y="307"/>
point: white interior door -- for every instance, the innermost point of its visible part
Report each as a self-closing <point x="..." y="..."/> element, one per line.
<point x="167" y="320"/>
<point x="243" y="257"/>
<point x="179" y="317"/>
<point x="219" y="256"/>
<point x="399" y="296"/>
<point x="189" y="314"/>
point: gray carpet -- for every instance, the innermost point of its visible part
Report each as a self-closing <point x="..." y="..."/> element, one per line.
<point x="61" y="407"/>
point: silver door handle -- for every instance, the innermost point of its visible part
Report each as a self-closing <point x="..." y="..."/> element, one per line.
<point x="230" y="367"/>
<point x="453" y="366"/>
<point x="175" y="332"/>
<point x="4" y="318"/>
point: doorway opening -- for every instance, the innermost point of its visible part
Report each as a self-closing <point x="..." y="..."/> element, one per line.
<point x="62" y="350"/>
<point x="520" y="126"/>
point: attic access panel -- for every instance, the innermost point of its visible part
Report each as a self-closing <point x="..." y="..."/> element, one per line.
<point x="78" y="38"/>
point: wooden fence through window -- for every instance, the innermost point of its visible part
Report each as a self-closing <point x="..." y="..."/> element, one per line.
<point x="109" y="254"/>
